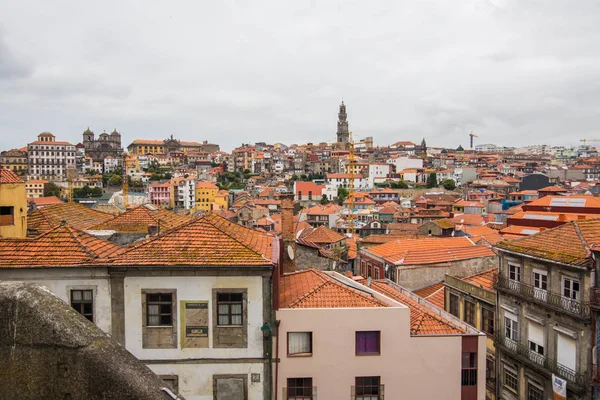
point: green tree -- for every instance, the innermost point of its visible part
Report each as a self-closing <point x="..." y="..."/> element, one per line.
<point x="342" y="194"/>
<point x="449" y="184"/>
<point x="51" y="190"/>
<point x="115" y="180"/>
<point x="432" y="180"/>
<point x="399" y="185"/>
<point x="295" y="177"/>
<point x="324" y="199"/>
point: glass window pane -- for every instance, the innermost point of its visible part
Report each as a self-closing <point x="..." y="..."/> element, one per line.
<point x="236" y="308"/>
<point x="165" y="320"/>
<point x="76" y="295"/>
<point x="223" y="320"/>
<point x="236" y="320"/>
<point x="165" y="309"/>
<point x="153" y="309"/>
<point x="154" y="320"/>
<point x="223" y="309"/>
<point x="87" y="295"/>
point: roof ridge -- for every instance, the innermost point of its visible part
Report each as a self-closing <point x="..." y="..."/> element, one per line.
<point x="71" y="231"/>
<point x="581" y="237"/>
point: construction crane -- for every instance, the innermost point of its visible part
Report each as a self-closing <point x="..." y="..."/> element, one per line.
<point x="351" y="166"/>
<point x="471" y="136"/>
<point x="125" y="183"/>
<point x="588" y="140"/>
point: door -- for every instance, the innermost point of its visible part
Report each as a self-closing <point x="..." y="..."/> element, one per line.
<point x="566" y="352"/>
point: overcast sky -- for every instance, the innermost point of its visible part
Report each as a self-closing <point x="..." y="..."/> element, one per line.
<point x="513" y="71"/>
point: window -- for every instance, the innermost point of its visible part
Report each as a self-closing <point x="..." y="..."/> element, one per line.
<point x="7" y="216"/>
<point x="299" y="343"/>
<point x="490" y="372"/>
<point x="83" y="302"/>
<point x="469" y="369"/>
<point x="571" y="288"/>
<point x="368" y="343"/>
<point x="536" y="338"/>
<point x="368" y="388"/>
<point x="469" y="313"/>
<point x="299" y="389"/>
<point x="534" y="392"/>
<point x="230" y="306"/>
<point x="160" y="309"/>
<point x="514" y="272"/>
<point x="454" y="305"/>
<point x="487" y="320"/>
<point x="540" y="285"/>
<point x="511" y="328"/>
<point x="510" y="379"/>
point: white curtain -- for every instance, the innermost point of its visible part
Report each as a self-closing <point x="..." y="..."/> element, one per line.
<point x="298" y="342"/>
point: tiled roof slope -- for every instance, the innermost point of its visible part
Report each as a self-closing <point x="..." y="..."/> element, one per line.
<point x="435" y="294"/>
<point x="74" y="214"/>
<point x="137" y="220"/>
<point x="396" y="250"/>
<point x="61" y="246"/>
<point x="569" y="243"/>
<point x="484" y="279"/>
<point x="315" y="289"/>
<point x="206" y="240"/>
<point x="8" y="176"/>
<point x="422" y="320"/>
<point x="324" y="235"/>
<point x="434" y="256"/>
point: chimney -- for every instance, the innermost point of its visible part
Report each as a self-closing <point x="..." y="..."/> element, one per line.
<point x="152" y="230"/>
<point x="287" y="233"/>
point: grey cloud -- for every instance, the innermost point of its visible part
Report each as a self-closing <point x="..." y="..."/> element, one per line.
<point x="12" y="66"/>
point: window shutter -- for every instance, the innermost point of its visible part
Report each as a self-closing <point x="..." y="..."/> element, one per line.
<point x="536" y="333"/>
<point x="352" y="392"/>
<point x="314" y="393"/>
<point x="381" y="392"/>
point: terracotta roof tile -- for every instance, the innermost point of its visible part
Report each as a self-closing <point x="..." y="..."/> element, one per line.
<point x="207" y="240"/>
<point x="8" y="176"/>
<point x="61" y="246"/>
<point x="435" y="294"/>
<point x="569" y="243"/>
<point x="137" y="220"/>
<point x="315" y="289"/>
<point x="324" y="235"/>
<point x="483" y="279"/>
<point x="422" y="320"/>
<point x="396" y="250"/>
<point x="74" y="214"/>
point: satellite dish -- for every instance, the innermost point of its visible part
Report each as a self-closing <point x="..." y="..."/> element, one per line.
<point x="290" y="251"/>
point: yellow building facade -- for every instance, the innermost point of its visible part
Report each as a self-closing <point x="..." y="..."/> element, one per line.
<point x="205" y="196"/>
<point x="13" y="205"/>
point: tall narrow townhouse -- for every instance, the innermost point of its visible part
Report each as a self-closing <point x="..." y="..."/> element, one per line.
<point x="546" y="336"/>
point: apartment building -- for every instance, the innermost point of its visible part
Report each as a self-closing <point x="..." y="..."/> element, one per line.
<point x="205" y="196"/>
<point x="34" y="188"/>
<point x="159" y="193"/>
<point x="15" y="160"/>
<point x="182" y="193"/>
<point x="545" y="338"/>
<point x="13" y="205"/>
<point x="49" y="159"/>
<point x="190" y="303"/>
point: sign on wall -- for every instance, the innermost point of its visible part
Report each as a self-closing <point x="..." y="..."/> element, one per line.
<point x="194" y="318"/>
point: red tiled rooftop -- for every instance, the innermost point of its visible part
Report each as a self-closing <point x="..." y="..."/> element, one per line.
<point x="435" y="294"/>
<point x="208" y="240"/>
<point x="315" y="289"/>
<point x="75" y="215"/>
<point x="324" y="235"/>
<point x="483" y="279"/>
<point x="137" y="219"/>
<point x="8" y="176"/>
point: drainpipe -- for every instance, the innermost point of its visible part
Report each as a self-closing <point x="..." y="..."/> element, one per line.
<point x="277" y="323"/>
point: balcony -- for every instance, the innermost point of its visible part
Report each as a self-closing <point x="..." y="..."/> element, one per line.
<point x="576" y="381"/>
<point x="555" y="301"/>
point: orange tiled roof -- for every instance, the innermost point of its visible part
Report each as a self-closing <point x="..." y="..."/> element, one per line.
<point x="569" y="243"/>
<point x="137" y="219"/>
<point x="422" y="320"/>
<point x="552" y="189"/>
<point x="45" y="201"/>
<point x="315" y="289"/>
<point x="8" y="176"/>
<point x="207" y="240"/>
<point x="323" y="210"/>
<point x="395" y="250"/>
<point x="75" y="215"/>
<point x="206" y="185"/>
<point x="483" y="279"/>
<point x="61" y="246"/>
<point x="435" y="256"/>
<point x="435" y="294"/>
<point x="566" y="201"/>
<point x="324" y="235"/>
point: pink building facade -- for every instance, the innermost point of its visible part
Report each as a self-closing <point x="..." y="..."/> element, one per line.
<point x="158" y="193"/>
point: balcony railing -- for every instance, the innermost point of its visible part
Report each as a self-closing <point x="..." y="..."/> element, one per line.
<point x="539" y="361"/>
<point x="545" y="298"/>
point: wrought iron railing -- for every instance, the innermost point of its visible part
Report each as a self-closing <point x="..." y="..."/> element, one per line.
<point x="538" y="360"/>
<point x="545" y="298"/>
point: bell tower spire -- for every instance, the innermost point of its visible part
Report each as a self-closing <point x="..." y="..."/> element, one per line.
<point x="343" y="134"/>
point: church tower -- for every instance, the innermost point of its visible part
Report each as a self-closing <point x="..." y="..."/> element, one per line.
<point x="343" y="134"/>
